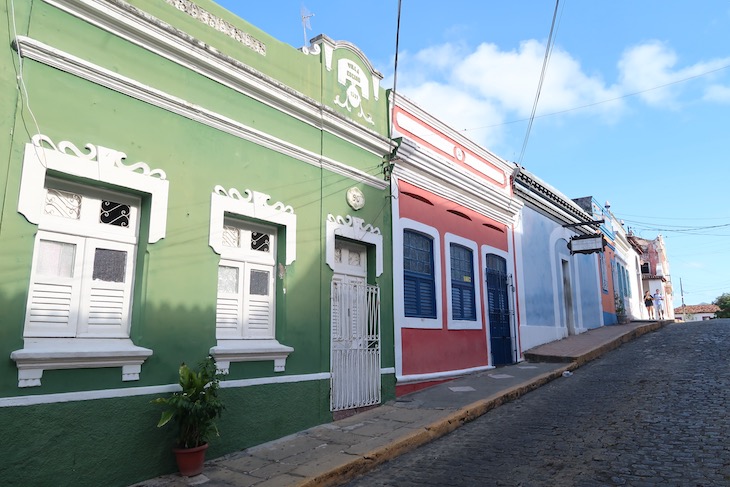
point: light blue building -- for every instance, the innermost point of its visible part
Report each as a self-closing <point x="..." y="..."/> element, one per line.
<point x="558" y="292"/>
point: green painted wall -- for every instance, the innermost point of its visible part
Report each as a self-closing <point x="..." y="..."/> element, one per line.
<point x="176" y="278"/>
<point x="115" y="442"/>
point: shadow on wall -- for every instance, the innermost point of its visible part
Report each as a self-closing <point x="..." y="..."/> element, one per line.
<point x="115" y="441"/>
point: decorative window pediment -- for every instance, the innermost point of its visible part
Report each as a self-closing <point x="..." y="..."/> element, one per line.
<point x="353" y="228"/>
<point x="253" y="205"/>
<point x="97" y="164"/>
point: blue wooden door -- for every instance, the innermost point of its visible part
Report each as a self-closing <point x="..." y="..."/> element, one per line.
<point x="498" y="310"/>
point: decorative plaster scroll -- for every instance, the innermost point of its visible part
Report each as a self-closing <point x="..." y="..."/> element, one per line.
<point x="101" y="154"/>
<point x="353" y="228"/>
<point x="219" y="24"/>
<point x="354" y="222"/>
<point x="312" y="49"/>
<point x="97" y="164"/>
<point x="258" y="199"/>
<point x="353" y="101"/>
<point x="253" y="205"/>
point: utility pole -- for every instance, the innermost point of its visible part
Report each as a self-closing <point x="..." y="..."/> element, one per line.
<point x="681" y="290"/>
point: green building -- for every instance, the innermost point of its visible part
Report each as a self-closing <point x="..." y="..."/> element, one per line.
<point x="177" y="183"/>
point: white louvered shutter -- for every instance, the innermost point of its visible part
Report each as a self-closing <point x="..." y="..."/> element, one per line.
<point x="229" y="304"/>
<point x="107" y="289"/>
<point x="258" y="310"/>
<point x="52" y="309"/>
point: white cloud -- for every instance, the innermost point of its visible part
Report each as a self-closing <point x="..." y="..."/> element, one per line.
<point x="718" y="93"/>
<point x="511" y="78"/>
<point x="478" y="117"/>
<point x="486" y="86"/>
<point x="650" y="66"/>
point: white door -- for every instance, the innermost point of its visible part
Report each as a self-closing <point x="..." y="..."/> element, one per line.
<point x="355" y="331"/>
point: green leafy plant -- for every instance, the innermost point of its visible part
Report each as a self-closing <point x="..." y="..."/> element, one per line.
<point x="723" y="301"/>
<point x="196" y="406"/>
<point x="619" y="302"/>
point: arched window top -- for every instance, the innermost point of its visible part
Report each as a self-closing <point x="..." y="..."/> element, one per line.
<point x="417" y="197"/>
<point x="460" y="214"/>
<point x="495" y="262"/>
<point x="493" y="227"/>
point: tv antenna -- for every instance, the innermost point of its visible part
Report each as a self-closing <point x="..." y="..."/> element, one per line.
<point x="306" y="15"/>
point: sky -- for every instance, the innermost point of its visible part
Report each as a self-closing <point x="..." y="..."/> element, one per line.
<point x="634" y="106"/>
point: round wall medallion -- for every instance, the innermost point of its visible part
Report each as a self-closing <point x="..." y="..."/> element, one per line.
<point x="355" y="198"/>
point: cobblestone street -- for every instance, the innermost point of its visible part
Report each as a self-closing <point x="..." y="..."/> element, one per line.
<point x="653" y="412"/>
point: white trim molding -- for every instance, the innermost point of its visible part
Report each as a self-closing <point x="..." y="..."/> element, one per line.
<point x="353" y="228"/>
<point x="401" y="320"/>
<point x="41" y="354"/>
<point x="453" y="324"/>
<point x="61" y="397"/>
<point x="154" y="35"/>
<point x="227" y="351"/>
<point x="449" y="374"/>
<point x="65" y="62"/>
<point x="98" y="164"/>
<point x="431" y="172"/>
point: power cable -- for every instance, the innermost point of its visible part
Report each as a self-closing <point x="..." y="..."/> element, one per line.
<point x="546" y="59"/>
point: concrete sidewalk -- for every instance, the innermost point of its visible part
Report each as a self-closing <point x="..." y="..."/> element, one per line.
<point x="333" y="453"/>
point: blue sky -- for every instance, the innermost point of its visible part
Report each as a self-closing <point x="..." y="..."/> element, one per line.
<point x="634" y="107"/>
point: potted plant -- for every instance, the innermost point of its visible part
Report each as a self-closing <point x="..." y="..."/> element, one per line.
<point x="620" y="309"/>
<point x="195" y="408"/>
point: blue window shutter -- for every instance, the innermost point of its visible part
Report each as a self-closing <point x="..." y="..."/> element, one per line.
<point x="419" y="285"/>
<point x="463" y="305"/>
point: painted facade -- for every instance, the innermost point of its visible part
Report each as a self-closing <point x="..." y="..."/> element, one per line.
<point x="453" y="214"/>
<point x="655" y="275"/>
<point x="626" y="272"/>
<point x="179" y="183"/>
<point x="560" y="293"/>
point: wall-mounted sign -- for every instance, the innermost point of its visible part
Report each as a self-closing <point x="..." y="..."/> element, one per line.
<point x="587" y="244"/>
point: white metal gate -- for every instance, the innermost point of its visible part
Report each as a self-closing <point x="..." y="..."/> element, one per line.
<point x="355" y="360"/>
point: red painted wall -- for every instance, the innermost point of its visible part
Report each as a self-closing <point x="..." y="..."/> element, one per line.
<point x="437" y="350"/>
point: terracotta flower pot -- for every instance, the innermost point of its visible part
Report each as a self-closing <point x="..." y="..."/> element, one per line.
<point x="190" y="460"/>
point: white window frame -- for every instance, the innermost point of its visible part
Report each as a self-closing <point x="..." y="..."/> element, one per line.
<point x="237" y="344"/>
<point x="87" y="234"/>
<point x="245" y="261"/>
<point x="453" y="324"/>
<point x="94" y="165"/>
<point x="400" y="314"/>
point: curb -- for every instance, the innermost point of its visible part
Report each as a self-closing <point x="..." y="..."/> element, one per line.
<point x="603" y="348"/>
<point x="430" y="432"/>
<point x="617" y="342"/>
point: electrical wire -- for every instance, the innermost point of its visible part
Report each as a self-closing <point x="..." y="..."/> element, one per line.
<point x="22" y="88"/>
<point x="546" y="59"/>
<point x="395" y="63"/>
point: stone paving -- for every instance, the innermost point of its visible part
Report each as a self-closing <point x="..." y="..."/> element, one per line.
<point x="333" y="453"/>
<point x="652" y="413"/>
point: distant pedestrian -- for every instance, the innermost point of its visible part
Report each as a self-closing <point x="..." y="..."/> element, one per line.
<point x="649" y="303"/>
<point x="659" y="304"/>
